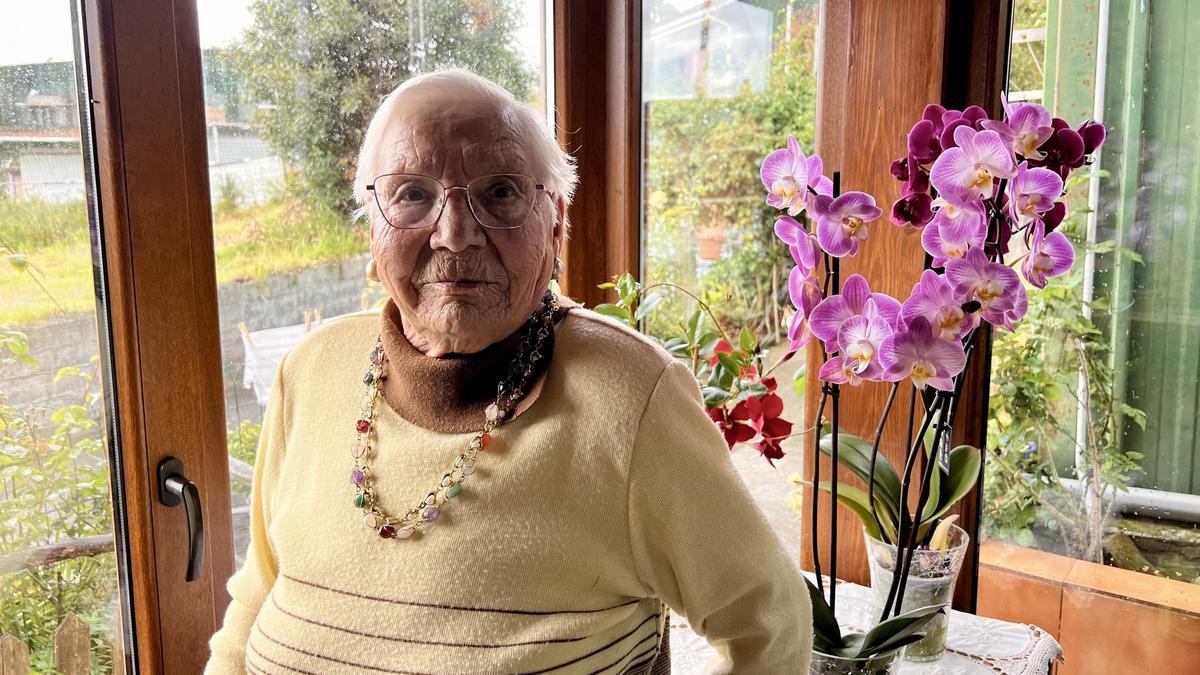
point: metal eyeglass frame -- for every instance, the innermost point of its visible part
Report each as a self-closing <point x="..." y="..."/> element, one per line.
<point x="446" y="189"/>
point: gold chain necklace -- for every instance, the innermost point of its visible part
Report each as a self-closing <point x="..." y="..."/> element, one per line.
<point x="536" y="333"/>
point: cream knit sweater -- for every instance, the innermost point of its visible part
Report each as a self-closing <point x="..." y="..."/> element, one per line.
<point x="613" y="494"/>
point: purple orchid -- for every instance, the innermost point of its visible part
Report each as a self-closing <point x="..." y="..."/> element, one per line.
<point x="1064" y="151"/>
<point x="994" y="285"/>
<point x="1025" y="128"/>
<point x="828" y="316"/>
<point x="860" y="337"/>
<point x="842" y="222"/>
<point x="912" y="211"/>
<point x="923" y="143"/>
<point x="953" y="230"/>
<point x="840" y="370"/>
<point x="806" y="295"/>
<point x="934" y="299"/>
<point x="1093" y="135"/>
<point x="965" y="173"/>
<point x="784" y="172"/>
<point x="916" y="352"/>
<point x="801" y="244"/>
<point x="973" y="116"/>
<point x="1049" y="255"/>
<point x="1032" y="192"/>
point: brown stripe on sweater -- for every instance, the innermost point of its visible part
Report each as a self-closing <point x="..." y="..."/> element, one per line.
<point x="335" y="659"/>
<point x="268" y="659"/>
<point x="414" y="641"/>
<point x="414" y="603"/>
<point x="638" y="667"/>
<point x="600" y="649"/>
<point x="624" y="656"/>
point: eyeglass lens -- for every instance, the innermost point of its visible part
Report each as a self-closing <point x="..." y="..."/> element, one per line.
<point x="501" y="201"/>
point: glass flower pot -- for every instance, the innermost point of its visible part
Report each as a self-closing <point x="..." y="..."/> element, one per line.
<point x="931" y="579"/>
<point x="828" y="664"/>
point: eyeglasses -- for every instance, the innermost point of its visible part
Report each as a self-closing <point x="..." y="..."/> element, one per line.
<point x="500" y="201"/>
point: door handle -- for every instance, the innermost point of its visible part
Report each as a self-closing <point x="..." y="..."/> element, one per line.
<point x="174" y="488"/>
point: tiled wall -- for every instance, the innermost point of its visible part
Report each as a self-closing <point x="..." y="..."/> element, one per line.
<point x="1108" y="620"/>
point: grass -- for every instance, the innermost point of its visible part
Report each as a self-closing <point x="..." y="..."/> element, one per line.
<point x="47" y="269"/>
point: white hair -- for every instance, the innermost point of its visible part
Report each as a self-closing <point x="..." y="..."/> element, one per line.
<point x="555" y="166"/>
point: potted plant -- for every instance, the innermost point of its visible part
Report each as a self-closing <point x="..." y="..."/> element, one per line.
<point x="870" y="653"/>
<point x="985" y="196"/>
<point x="710" y="236"/>
<point x="942" y="545"/>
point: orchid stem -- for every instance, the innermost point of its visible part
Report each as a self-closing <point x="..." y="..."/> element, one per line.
<point x="887" y="410"/>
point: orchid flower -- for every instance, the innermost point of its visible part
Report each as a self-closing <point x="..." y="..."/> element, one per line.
<point x="913" y="210"/>
<point x="994" y="285"/>
<point x="953" y="230"/>
<point x="860" y="337"/>
<point x="801" y="244"/>
<point x="784" y="172"/>
<point x="972" y="116"/>
<point x="805" y="292"/>
<point x="842" y="222"/>
<point x="1025" y="128"/>
<point x="828" y="316"/>
<point x="841" y="370"/>
<point x="1033" y="192"/>
<point x="1049" y="255"/>
<point x="965" y="173"/>
<point x="916" y="352"/>
<point x="934" y="299"/>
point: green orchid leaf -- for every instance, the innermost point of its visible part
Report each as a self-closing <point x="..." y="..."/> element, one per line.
<point x="964" y="472"/>
<point x="856" y="500"/>
<point x="884" y="636"/>
<point x="855" y="454"/>
<point x="825" y="623"/>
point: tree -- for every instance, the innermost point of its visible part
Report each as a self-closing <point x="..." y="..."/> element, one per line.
<point x="321" y="67"/>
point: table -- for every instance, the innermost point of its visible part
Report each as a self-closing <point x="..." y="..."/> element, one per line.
<point x="975" y="644"/>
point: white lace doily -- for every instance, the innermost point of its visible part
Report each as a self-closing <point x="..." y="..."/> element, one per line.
<point x="974" y="644"/>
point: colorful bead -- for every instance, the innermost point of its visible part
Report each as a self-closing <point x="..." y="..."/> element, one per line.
<point x="453" y="491"/>
<point x="362" y="426"/>
<point x="485" y="439"/>
<point x="357" y="477"/>
<point x="405" y="532"/>
<point x="360" y="500"/>
<point x="387" y="531"/>
<point x="468" y="468"/>
<point x="373" y="520"/>
<point x="430" y="514"/>
<point x="369" y="377"/>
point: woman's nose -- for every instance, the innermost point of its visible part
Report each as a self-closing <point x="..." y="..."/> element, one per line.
<point x="457" y="229"/>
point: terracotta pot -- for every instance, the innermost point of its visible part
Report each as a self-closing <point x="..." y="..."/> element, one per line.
<point x="708" y="244"/>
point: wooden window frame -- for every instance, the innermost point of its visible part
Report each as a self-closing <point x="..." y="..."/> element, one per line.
<point x="143" y="63"/>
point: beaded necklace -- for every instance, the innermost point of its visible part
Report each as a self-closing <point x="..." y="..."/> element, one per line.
<point x="535" y="334"/>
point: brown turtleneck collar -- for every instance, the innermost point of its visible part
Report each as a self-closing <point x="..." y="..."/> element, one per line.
<point x="447" y="393"/>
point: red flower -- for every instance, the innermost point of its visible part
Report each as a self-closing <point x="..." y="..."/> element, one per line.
<point x="723" y="347"/>
<point x="763" y="415"/>
<point x="732" y="425"/>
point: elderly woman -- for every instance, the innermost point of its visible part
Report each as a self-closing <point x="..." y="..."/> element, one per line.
<point x="485" y="477"/>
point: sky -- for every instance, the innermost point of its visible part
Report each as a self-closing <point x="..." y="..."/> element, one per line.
<point x="33" y="31"/>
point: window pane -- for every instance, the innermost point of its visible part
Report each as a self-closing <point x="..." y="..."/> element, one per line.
<point x="723" y="84"/>
<point x="1094" y="403"/>
<point x="289" y="89"/>
<point x="59" y="575"/>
